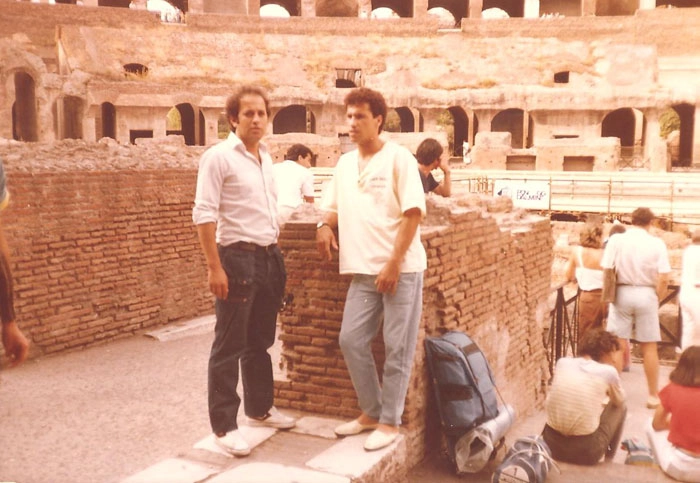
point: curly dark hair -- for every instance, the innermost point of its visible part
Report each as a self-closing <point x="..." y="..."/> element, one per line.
<point x="428" y="151"/>
<point x="596" y="343"/>
<point x="687" y="371"/>
<point x="233" y="103"/>
<point x="365" y="95"/>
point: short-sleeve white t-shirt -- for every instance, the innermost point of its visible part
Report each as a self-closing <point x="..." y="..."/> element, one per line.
<point x="370" y="206"/>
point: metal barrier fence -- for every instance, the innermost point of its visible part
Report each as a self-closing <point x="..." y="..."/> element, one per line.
<point x="561" y="340"/>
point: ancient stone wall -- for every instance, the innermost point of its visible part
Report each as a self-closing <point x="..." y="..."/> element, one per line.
<point x="488" y="275"/>
<point x="102" y="240"/>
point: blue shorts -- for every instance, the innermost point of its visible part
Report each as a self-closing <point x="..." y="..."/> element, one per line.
<point x="635" y="314"/>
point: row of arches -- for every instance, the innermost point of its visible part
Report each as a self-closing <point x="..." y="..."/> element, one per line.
<point x="627" y="124"/>
<point x="453" y="11"/>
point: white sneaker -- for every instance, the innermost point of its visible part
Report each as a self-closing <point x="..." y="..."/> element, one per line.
<point x="233" y="442"/>
<point x="273" y="419"/>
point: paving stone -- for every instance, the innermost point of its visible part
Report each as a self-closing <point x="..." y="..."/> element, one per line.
<point x="253" y="436"/>
<point x="173" y="470"/>
<point x="200" y="325"/>
<point x="349" y="458"/>
<point x="271" y="472"/>
<point x="316" y="426"/>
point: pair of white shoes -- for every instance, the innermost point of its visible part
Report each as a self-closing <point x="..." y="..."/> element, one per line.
<point x="232" y="442"/>
<point x="376" y="440"/>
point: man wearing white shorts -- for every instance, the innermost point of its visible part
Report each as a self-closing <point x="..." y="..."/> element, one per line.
<point x="641" y="262"/>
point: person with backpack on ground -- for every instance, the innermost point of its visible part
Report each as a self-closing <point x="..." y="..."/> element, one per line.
<point x="586" y="403"/>
<point x="674" y="432"/>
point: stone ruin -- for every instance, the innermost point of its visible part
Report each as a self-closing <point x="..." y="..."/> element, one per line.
<point x="573" y="85"/>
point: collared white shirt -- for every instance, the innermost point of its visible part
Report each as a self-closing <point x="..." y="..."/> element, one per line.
<point x="370" y="206"/>
<point x="238" y="193"/>
<point x="637" y="256"/>
<point x="293" y="183"/>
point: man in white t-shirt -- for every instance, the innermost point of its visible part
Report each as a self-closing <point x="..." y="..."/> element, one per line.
<point x="295" y="182"/>
<point x="375" y="200"/>
<point x="641" y="262"/>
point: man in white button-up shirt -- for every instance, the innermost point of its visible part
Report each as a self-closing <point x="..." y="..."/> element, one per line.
<point x="236" y="216"/>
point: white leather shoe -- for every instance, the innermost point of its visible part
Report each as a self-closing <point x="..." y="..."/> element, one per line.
<point x="233" y="442"/>
<point x="354" y="427"/>
<point x="378" y="440"/>
<point x="273" y="419"/>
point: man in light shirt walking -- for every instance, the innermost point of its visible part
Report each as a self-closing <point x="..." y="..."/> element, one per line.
<point x="641" y="262"/>
<point x="236" y="216"/>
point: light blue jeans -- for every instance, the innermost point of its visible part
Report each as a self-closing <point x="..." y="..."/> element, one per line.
<point x="362" y="319"/>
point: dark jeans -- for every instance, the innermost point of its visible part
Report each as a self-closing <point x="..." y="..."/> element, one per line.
<point x="245" y="330"/>
<point x="590" y="448"/>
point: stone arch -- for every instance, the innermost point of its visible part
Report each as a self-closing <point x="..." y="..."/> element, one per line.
<point x="514" y="8"/>
<point x="681" y="142"/>
<point x="186" y="126"/>
<point x="402" y="8"/>
<point x="458" y="8"/>
<point x="337" y="8"/>
<point x="291" y="6"/>
<point x="108" y="121"/>
<point x="628" y="125"/>
<point x="514" y="121"/>
<point x="294" y="118"/>
<point x="24" y="109"/>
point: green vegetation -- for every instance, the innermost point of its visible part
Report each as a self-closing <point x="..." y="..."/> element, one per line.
<point x="669" y="121"/>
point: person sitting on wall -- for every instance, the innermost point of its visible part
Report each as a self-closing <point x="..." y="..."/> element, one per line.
<point x="586" y="404"/>
<point x="429" y="156"/>
<point x="584" y="267"/>
<point x="295" y="181"/>
<point x="674" y="431"/>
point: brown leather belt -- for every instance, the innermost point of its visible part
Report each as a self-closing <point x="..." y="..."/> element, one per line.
<point x="251" y="247"/>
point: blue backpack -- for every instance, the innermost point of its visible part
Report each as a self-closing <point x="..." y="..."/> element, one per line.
<point x="462" y="383"/>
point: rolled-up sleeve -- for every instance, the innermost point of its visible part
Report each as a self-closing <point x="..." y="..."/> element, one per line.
<point x="208" y="195"/>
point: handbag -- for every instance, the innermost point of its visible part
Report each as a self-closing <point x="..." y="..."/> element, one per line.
<point x="609" y="286"/>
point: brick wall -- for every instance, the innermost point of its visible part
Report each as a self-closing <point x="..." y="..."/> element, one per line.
<point x="101" y="250"/>
<point x="488" y="275"/>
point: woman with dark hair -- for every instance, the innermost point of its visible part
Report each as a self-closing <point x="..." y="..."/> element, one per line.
<point x="584" y="267"/>
<point x="586" y="404"/>
<point x="674" y="433"/>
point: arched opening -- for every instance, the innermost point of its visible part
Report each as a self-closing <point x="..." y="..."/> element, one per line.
<point x="294" y="118"/>
<point x="514" y="122"/>
<point x="348" y="78"/>
<point x="278" y="10"/>
<point x="24" y="115"/>
<point x="108" y="120"/>
<point x="449" y="14"/>
<point x="334" y="8"/>
<point x="407" y="121"/>
<point x="627" y="125"/>
<point x="514" y="8"/>
<point x="385" y="10"/>
<point x="457" y="130"/>
<point x="114" y="3"/>
<point x="677" y="124"/>
<point x="202" y="138"/>
<point x="135" y="69"/>
<point x="180" y="120"/>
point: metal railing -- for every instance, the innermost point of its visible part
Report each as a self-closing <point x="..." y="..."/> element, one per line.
<point x="561" y="338"/>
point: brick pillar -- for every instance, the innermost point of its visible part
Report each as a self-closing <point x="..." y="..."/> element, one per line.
<point x="420" y="9"/>
<point x="588" y="7"/>
<point x="475" y="8"/>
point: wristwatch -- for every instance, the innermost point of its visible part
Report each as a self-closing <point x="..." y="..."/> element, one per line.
<point x="322" y="223"/>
